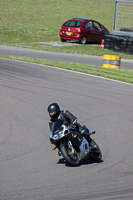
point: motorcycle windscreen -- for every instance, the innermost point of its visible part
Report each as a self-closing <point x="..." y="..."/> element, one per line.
<point x="57" y="126"/>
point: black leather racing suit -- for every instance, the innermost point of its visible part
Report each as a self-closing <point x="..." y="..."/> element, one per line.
<point x="72" y="121"/>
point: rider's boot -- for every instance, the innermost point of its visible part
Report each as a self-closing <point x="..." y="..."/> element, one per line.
<point x="85" y="132"/>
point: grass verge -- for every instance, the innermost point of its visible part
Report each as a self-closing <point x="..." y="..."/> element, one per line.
<point x="115" y="74"/>
<point x="75" y="48"/>
<point x="31" y="24"/>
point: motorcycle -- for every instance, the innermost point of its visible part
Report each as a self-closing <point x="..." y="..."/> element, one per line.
<point x="73" y="146"/>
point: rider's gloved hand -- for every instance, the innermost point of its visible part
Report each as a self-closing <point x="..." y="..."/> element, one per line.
<point x="72" y="126"/>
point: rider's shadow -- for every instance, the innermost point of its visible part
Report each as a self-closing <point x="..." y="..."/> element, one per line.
<point x="62" y="161"/>
<point x="86" y="162"/>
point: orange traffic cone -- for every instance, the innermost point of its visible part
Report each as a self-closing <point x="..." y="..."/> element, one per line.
<point x="102" y="44"/>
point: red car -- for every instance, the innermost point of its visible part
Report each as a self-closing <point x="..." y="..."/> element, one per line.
<point x="82" y="30"/>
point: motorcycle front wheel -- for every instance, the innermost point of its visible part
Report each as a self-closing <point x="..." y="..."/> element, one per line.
<point x="70" y="156"/>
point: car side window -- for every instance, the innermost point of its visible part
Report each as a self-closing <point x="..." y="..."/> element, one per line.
<point x="102" y="27"/>
<point x="90" y="25"/>
<point x="97" y="26"/>
<point x="85" y="25"/>
<point x="78" y="24"/>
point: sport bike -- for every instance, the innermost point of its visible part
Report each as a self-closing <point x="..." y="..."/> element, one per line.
<point x="73" y="146"/>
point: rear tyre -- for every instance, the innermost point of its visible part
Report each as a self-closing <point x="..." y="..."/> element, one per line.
<point x="83" y="40"/>
<point x="69" y="156"/>
<point x="96" y="154"/>
<point x="63" y="40"/>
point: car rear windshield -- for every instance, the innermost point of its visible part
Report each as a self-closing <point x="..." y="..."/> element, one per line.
<point x="72" y="23"/>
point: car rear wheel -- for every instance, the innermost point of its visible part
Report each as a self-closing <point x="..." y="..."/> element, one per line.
<point x="83" y="40"/>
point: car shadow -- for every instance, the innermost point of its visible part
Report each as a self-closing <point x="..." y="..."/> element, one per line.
<point x="89" y="43"/>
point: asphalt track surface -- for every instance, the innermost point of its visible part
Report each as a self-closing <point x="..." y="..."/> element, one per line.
<point x="69" y="57"/>
<point x="29" y="170"/>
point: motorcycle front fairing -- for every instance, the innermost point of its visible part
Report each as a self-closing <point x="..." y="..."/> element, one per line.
<point x="59" y="130"/>
<point x="60" y="134"/>
<point x="81" y="145"/>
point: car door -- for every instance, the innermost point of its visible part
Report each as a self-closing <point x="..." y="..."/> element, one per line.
<point x="89" y="31"/>
<point x="98" y="32"/>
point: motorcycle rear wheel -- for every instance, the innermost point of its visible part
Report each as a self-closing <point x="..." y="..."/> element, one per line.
<point x="71" y="158"/>
<point x="96" y="154"/>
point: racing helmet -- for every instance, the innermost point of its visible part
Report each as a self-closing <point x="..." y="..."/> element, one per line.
<point x="54" y="110"/>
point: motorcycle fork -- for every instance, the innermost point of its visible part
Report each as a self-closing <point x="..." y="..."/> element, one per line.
<point x="71" y="146"/>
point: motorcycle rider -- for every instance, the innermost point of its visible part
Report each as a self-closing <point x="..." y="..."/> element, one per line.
<point x="55" y="113"/>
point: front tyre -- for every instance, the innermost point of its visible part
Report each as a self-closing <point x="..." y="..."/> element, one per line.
<point x="70" y="156"/>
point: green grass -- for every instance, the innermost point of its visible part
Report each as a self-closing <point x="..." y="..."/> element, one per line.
<point x="31" y="23"/>
<point x="25" y="23"/>
<point x="116" y="74"/>
<point x="40" y="20"/>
